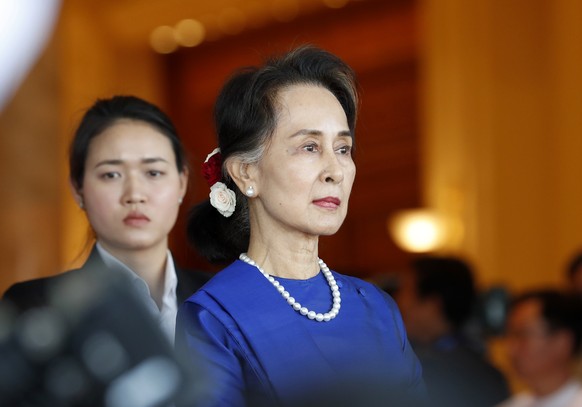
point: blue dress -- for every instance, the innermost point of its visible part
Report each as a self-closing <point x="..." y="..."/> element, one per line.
<point x="259" y="351"/>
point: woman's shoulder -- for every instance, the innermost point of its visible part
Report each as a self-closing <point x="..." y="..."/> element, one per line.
<point x="355" y="281"/>
<point x="359" y="283"/>
<point x="33" y="293"/>
<point x="233" y="272"/>
<point x="224" y="281"/>
<point x="365" y="289"/>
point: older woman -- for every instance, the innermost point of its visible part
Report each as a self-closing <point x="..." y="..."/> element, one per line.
<point x="277" y="324"/>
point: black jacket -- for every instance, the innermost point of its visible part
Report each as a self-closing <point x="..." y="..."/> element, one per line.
<point x="35" y="293"/>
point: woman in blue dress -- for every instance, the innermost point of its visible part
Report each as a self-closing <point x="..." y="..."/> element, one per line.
<point x="277" y="326"/>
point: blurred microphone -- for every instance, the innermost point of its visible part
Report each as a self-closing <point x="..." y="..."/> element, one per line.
<point x="94" y="345"/>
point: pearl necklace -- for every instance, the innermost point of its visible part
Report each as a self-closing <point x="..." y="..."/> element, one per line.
<point x="335" y="293"/>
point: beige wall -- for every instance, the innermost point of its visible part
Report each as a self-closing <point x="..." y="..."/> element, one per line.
<point x="503" y="132"/>
<point x="29" y="197"/>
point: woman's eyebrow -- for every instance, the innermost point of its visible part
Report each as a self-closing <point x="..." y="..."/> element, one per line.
<point x="147" y="160"/>
<point x="313" y="132"/>
<point x="151" y="160"/>
<point x="307" y="132"/>
<point x="109" y="162"/>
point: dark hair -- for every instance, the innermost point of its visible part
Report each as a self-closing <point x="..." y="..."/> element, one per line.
<point x="449" y="279"/>
<point x="104" y="114"/>
<point x="560" y="310"/>
<point x="575" y="265"/>
<point x="245" y="117"/>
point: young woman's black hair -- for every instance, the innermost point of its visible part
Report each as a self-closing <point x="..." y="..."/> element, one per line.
<point x="104" y="114"/>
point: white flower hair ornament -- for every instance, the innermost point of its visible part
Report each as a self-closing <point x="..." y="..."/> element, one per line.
<point x="221" y="197"/>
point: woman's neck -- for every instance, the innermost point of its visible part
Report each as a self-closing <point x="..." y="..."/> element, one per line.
<point x="294" y="259"/>
<point x="150" y="265"/>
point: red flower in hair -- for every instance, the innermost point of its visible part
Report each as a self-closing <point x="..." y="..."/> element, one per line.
<point x="212" y="167"/>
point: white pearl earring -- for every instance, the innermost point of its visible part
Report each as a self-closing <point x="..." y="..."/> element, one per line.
<point x="250" y="191"/>
<point x="81" y="204"/>
<point x="180" y="201"/>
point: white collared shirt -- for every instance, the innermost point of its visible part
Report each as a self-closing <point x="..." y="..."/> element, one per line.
<point x="569" y="395"/>
<point x="166" y="315"/>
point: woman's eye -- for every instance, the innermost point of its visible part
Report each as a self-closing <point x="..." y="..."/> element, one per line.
<point x="110" y="175"/>
<point x="312" y="148"/>
<point x="345" y="150"/>
<point x="155" y="173"/>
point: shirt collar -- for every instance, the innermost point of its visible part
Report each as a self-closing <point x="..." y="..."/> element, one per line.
<point x="561" y="397"/>
<point x="166" y="315"/>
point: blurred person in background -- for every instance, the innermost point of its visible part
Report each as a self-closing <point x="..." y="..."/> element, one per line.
<point x="437" y="298"/>
<point x="544" y="334"/>
<point x="129" y="174"/>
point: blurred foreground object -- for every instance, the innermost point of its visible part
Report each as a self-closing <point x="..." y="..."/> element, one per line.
<point x="94" y="345"/>
<point x="25" y="27"/>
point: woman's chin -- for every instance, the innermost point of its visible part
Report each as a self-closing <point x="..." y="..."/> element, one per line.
<point x="329" y="230"/>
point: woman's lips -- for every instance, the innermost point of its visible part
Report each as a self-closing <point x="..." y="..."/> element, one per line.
<point x="136" y="219"/>
<point x="328" y="202"/>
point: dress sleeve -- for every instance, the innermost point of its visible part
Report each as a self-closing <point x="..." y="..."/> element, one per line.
<point x="203" y="339"/>
<point x="416" y="383"/>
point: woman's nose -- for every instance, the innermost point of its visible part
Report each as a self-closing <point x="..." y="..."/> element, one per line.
<point x="333" y="171"/>
<point x="133" y="191"/>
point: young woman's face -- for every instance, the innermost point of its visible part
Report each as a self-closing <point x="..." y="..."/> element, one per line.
<point x="305" y="178"/>
<point x="132" y="188"/>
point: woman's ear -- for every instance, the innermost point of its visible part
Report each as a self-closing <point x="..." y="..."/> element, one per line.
<point x="241" y="173"/>
<point x="184" y="176"/>
<point x="77" y="195"/>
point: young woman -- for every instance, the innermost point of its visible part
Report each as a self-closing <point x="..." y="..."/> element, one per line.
<point x="278" y="324"/>
<point x="129" y="174"/>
